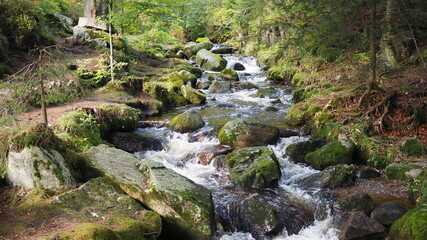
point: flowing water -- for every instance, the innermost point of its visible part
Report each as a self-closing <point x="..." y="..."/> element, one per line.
<point x="305" y="213"/>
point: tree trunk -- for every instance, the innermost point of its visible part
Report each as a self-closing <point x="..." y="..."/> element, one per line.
<point x="110" y="35"/>
<point x="372" y="45"/>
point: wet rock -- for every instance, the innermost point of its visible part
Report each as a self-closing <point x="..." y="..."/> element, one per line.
<point x="203" y="85"/>
<point x="36" y="167"/>
<point x="388" y="213"/>
<point x="152" y="107"/>
<point x="368" y="173"/>
<point x="271" y="109"/>
<point x="180" y="78"/>
<point x="192" y="49"/>
<point x="411" y="226"/>
<point x="185" y="207"/>
<point x="266" y="93"/>
<point x="297" y="151"/>
<point x="206" y="158"/>
<point x="357" y="202"/>
<point x="412" y="146"/>
<point x="101" y="201"/>
<point x="247" y="86"/>
<point x="285" y="133"/>
<point x="222" y="50"/>
<point x="332" y="177"/>
<point x="210" y="61"/>
<point x="188" y="121"/>
<point x="219" y="162"/>
<point x="399" y="171"/>
<point x="240" y="133"/>
<point x="229" y="74"/>
<point x="135" y="142"/>
<point x="239" y="67"/>
<point x="333" y="153"/>
<point x="359" y="225"/>
<point x="220" y="87"/>
<point x="192" y="95"/>
<point x="255" y="167"/>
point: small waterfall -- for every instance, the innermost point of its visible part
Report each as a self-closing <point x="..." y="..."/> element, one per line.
<point x="306" y="216"/>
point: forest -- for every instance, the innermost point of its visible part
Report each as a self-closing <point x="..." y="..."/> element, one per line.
<point x="213" y="119"/>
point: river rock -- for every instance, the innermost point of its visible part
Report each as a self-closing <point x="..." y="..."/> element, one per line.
<point x="357" y="202"/>
<point x="182" y="77"/>
<point x="247" y="86"/>
<point x="271" y="109"/>
<point x="359" y="225"/>
<point x="367" y="173"/>
<point x="240" y="133"/>
<point x="229" y="74"/>
<point x="220" y="87"/>
<point x="266" y="93"/>
<point x="101" y="201"/>
<point x="185" y="207"/>
<point x="135" y="142"/>
<point x="222" y="50"/>
<point x="210" y="61"/>
<point x="286" y="133"/>
<point x="188" y="121"/>
<point x="169" y="93"/>
<point x="255" y="167"/>
<point x="205" y="158"/>
<point x="332" y="177"/>
<point x="412" y="146"/>
<point x="297" y="151"/>
<point x="192" y="95"/>
<point x="388" y="213"/>
<point x="35" y="167"/>
<point x="192" y="49"/>
<point x="411" y="226"/>
<point x="400" y="171"/>
<point x="333" y="153"/>
<point x="239" y="67"/>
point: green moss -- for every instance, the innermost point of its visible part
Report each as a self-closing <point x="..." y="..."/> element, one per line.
<point x="411" y="226"/>
<point x="284" y="73"/>
<point x="301" y="113"/>
<point x="89" y="231"/>
<point x="412" y="146"/>
<point x="119" y="118"/>
<point x="229" y="74"/>
<point x="328" y="131"/>
<point x="333" y="153"/>
<point x="398" y="170"/>
<point x="205" y="39"/>
<point x="36" y="169"/>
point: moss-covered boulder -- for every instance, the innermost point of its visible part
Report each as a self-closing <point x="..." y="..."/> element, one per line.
<point x="229" y="74"/>
<point x="400" y="171"/>
<point x="189" y="121"/>
<point x="192" y="95"/>
<point x="388" y="213"/>
<point x="281" y="74"/>
<point x="255" y="167"/>
<point x="266" y="93"/>
<point x="210" y="61"/>
<point x="220" y="87"/>
<point x="182" y="77"/>
<point x="169" y="93"/>
<point x="119" y="118"/>
<point x="192" y="49"/>
<point x="35" y="167"/>
<point x="247" y="86"/>
<point x="357" y="202"/>
<point x="185" y="207"/>
<point x="333" y="153"/>
<point x="411" y="226"/>
<point x="297" y="151"/>
<point x="332" y="177"/>
<point x="412" y="146"/>
<point x="240" y="133"/>
<point x="101" y="201"/>
<point x="302" y="113"/>
<point x="200" y="40"/>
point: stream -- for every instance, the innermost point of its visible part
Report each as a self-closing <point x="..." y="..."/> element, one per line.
<point x="305" y="213"/>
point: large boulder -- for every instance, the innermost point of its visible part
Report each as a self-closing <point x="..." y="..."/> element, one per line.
<point x="333" y="153"/>
<point x="239" y="67"/>
<point x="247" y="85"/>
<point x="192" y="95"/>
<point x="332" y="177"/>
<point x="192" y="49"/>
<point x="411" y="226"/>
<point x="412" y="146"/>
<point x="400" y="171"/>
<point x="297" y="151"/>
<point x="185" y="207"/>
<point x="182" y="77"/>
<point x="222" y="50"/>
<point x="266" y="93"/>
<point x="240" y="133"/>
<point x="220" y="87"/>
<point x="229" y="74"/>
<point x="135" y="142"/>
<point x="210" y="61"/>
<point x="388" y="213"/>
<point x="35" y="167"/>
<point x="357" y="202"/>
<point x="255" y="167"/>
<point x="100" y="201"/>
<point x="64" y="22"/>
<point x="360" y="226"/>
<point x="169" y="93"/>
<point x="188" y="121"/>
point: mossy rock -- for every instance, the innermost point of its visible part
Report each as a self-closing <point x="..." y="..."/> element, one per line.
<point x="328" y="131"/>
<point x="169" y="93"/>
<point x="188" y="121"/>
<point x="120" y="118"/>
<point x="281" y="74"/>
<point x="210" y="61"/>
<point x="240" y="133"/>
<point x="398" y="170"/>
<point x="412" y="146"/>
<point x="229" y="74"/>
<point x="297" y="151"/>
<point x="192" y="95"/>
<point x="180" y="78"/>
<point x="333" y="153"/>
<point x="266" y="93"/>
<point x="220" y="87"/>
<point x="200" y="40"/>
<point x="255" y="167"/>
<point x="357" y="202"/>
<point x="411" y="226"/>
<point x="302" y="113"/>
<point x="193" y="48"/>
<point x="332" y="177"/>
<point x="247" y="85"/>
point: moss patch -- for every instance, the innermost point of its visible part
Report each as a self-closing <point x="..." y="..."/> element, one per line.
<point x="411" y="226"/>
<point x="302" y="113"/>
